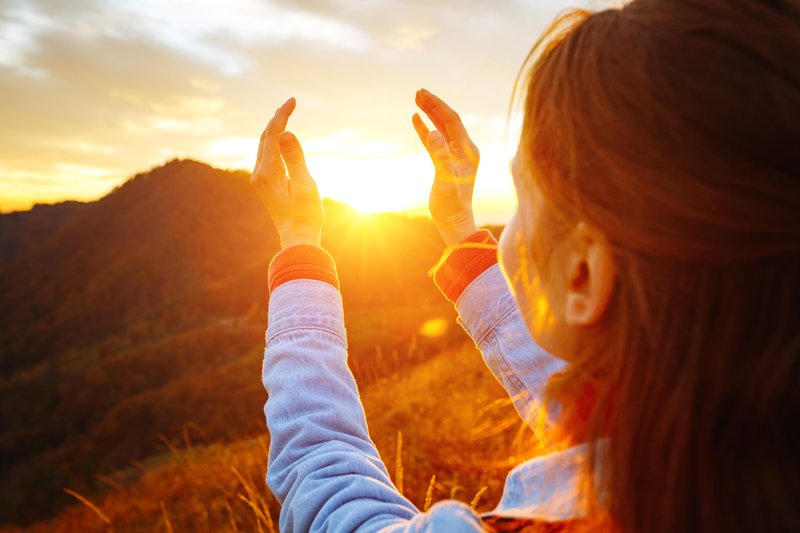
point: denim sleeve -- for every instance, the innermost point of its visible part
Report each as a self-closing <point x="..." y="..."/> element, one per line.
<point x="489" y="313"/>
<point x="323" y="467"/>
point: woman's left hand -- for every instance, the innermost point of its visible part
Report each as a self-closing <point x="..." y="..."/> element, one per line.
<point x="292" y="201"/>
<point x="455" y="160"/>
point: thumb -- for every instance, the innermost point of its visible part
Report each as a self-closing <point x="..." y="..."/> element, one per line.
<point x="293" y="156"/>
<point x="440" y="153"/>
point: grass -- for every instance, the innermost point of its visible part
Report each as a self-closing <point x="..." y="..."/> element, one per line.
<point x="445" y="427"/>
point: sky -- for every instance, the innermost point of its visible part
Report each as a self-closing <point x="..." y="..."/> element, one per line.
<point x="95" y="91"/>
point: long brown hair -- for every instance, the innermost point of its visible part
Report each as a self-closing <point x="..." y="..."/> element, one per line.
<point x="673" y="126"/>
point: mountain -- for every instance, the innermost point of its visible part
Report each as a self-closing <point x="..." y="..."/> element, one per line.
<point x="23" y="229"/>
<point x="178" y="245"/>
<point x="140" y="317"/>
<point x="154" y="253"/>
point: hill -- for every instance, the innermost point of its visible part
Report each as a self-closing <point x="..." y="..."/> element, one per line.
<point x="139" y="319"/>
<point x="23" y="229"/>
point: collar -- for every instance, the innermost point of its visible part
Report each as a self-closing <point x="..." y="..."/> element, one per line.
<point x="547" y="487"/>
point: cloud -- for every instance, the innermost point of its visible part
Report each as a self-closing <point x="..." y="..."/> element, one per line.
<point x="120" y="85"/>
<point x="410" y="37"/>
<point x="205" y="29"/>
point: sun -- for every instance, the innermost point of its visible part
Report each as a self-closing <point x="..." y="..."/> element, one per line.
<point x="364" y="197"/>
<point x="368" y="175"/>
<point x="376" y="177"/>
<point x="373" y="184"/>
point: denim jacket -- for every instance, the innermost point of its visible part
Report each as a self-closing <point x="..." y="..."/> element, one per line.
<point x="323" y="467"/>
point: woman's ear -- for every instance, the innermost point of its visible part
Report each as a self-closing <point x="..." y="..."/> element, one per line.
<point x="590" y="277"/>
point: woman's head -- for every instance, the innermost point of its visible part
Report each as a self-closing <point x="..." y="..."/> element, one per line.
<point x="657" y="248"/>
<point x="562" y="269"/>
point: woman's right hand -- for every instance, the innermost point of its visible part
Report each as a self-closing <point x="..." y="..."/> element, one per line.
<point x="455" y="160"/>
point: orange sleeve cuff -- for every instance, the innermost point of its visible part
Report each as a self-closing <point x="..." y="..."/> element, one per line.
<point x="465" y="262"/>
<point x="303" y="261"/>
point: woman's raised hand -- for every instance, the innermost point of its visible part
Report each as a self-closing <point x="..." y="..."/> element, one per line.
<point x="455" y="160"/>
<point x="292" y="200"/>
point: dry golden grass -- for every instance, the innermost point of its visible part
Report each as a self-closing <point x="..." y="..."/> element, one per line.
<point x="444" y="430"/>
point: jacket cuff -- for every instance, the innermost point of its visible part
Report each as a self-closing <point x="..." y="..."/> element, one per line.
<point x="465" y="262"/>
<point x="303" y="261"/>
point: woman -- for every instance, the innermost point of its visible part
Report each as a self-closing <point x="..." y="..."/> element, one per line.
<point x="655" y="251"/>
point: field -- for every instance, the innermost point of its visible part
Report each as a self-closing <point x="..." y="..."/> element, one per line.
<point x="456" y="442"/>
<point x="132" y="333"/>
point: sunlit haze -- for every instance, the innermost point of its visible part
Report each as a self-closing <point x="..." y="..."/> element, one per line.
<point x="97" y="90"/>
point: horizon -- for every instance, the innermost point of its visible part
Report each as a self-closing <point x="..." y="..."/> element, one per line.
<point x="420" y="212"/>
<point x="132" y="85"/>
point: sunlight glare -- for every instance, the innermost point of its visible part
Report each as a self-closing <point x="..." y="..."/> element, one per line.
<point x="435" y="327"/>
<point x="372" y="185"/>
<point x="373" y="176"/>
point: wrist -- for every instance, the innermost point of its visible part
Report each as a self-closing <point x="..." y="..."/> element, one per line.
<point x="292" y="233"/>
<point x="294" y="238"/>
<point x="455" y="234"/>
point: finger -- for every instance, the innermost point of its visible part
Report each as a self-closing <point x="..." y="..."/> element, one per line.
<point x="433" y="105"/>
<point x="260" y="152"/>
<point x="268" y="167"/>
<point x="275" y="127"/>
<point x="293" y="156"/>
<point x="442" y="161"/>
<point x="421" y="128"/>
<point x="440" y="125"/>
<point x="278" y="122"/>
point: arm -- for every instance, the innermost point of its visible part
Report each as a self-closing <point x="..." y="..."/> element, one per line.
<point x="323" y="466"/>
<point x="471" y="278"/>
